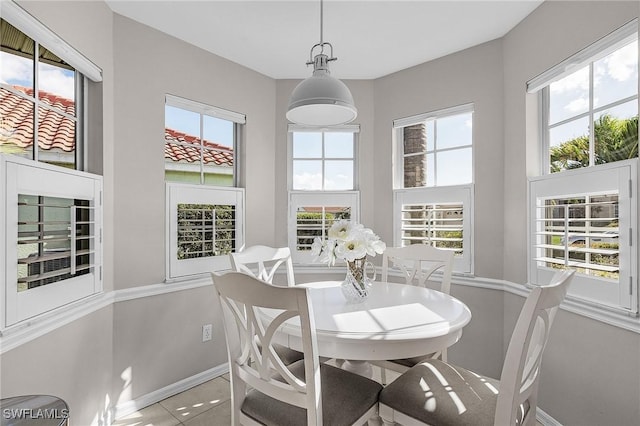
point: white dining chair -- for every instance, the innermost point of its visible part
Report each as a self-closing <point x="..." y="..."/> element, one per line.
<point x="263" y="262"/>
<point x="437" y="393"/>
<point x="264" y="391"/>
<point x="417" y="263"/>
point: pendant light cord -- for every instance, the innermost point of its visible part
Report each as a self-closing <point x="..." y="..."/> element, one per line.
<point x="321" y="22"/>
<point x="322" y="43"/>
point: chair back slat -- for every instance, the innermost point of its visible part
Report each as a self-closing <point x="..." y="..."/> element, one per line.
<point x="520" y="372"/>
<point x="250" y="337"/>
<point x="418" y="262"/>
<point x="263" y="262"/>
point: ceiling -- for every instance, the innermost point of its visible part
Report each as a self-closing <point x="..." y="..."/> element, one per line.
<point x="370" y="38"/>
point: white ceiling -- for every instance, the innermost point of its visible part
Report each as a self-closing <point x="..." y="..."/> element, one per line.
<point x="371" y="38"/>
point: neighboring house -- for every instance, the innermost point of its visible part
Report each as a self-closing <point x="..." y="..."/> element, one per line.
<point x="57" y="143"/>
<point x="183" y="153"/>
<point x="56" y="132"/>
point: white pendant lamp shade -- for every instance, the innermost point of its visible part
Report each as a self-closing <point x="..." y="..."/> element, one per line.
<point x="321" y="100"/>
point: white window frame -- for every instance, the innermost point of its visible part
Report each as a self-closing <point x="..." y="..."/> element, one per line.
<point x="85" y="70"/>
<point x="204" y="109"/>
<point x="24" y="176"/>
<point x="398" y="128"/>
<point x="298" y="199"/>
<point x="433" y="194"/>
<point x="621" y="178"/>
<point x="185" y="193"/>
<point x="178" y="193"/>
<point x="586" y="57"/>
<point x="347" y="128"/>
<point x="38" y="178"/>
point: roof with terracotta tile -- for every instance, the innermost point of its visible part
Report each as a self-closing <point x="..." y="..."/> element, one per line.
<point x="181" y="147"/>
<point x="57" y="132"/>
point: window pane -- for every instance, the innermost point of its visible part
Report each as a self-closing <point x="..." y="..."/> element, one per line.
<point x="431" y="135"/>
<point x="48" y="251"/>
<point x="569" y="96"/>
<point x="415" y="139"/>
<point x="569" y="145"/>
<point x="439" y="225"/>
<point x="16" y="58"/>
<point x="616" y="133"/>
<point x="218" y="131"/>
<point x="581" y="232"/>
<point x="338" y="145"/>
<point x="616" y="75"/>
<point x="431" y="170"/>
<point x="218" y="165"/>
<point x="16" y="135"/>
<point x="338" y="175"/>
<point x="56" y="138"/>
<point x="453" y="167"/>
<point x="181" y="120"/>
<point x="307" y="174"/>
<point x="453" y="131"/>
<point x="190" y="159"/>
<point x="307" y="145"/>
<point x="414" y="171"/>
<point x="205" y="230"/>
<point x="55" y="78"/>
<point x="315" y="221"/>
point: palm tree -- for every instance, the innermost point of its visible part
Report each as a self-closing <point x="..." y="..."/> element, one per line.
<point x="615" y="140"/>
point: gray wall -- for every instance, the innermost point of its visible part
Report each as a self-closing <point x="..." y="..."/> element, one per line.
<point x="156" y="339"/>
<point x="591" y="371"/>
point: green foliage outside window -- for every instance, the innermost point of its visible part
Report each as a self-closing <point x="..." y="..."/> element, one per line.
<point x="615" y="140"/>
<point x="316" y="224"/>
<point x="205" y="230"/>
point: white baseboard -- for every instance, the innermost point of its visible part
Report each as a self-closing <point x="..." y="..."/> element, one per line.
<point x="130" y="407"/>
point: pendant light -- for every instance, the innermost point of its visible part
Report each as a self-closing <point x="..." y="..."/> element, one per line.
<point x="321" y="100"/>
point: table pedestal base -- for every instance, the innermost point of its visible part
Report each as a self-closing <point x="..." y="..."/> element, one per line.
<point x="362" y="368"/>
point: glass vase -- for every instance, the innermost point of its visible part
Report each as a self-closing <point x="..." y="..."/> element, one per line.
<point x="357" y="285"/>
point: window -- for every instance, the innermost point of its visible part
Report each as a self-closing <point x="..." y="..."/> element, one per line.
<point x="52" y="241"/>
<point x="322" y="182"/>
<point x="590" y="104"/>
<point x="583" y="208"/>
<point x="433" y="177"/>
<point x="312" y="214"/>
<point x="323" y="160"/>
<point x="205" y="209"/>
<point x="41" y="96"/>
<point x="50" y="237"/>
<point x="585" y="219"/>
<point x="205" y="224"/>
<point x="200" y="143"/>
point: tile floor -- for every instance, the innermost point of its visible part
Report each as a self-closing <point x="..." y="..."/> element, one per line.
<point x="207" y="404"/>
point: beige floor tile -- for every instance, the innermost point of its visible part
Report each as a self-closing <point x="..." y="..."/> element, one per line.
<point x="219" y="415"/>
<point x="197" y="400"/>
<point x="154" y="415"/>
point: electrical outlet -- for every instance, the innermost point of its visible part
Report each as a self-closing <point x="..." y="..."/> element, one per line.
<point x="207" y="330"/>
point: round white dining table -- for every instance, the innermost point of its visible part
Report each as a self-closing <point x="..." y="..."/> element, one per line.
<point x="396" y="321"/>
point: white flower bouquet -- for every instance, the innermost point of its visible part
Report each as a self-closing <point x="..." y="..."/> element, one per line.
<point x="347" y="241"/>
<point x="350" y="242"/>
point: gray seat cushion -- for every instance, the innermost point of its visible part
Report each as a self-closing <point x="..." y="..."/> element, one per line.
<point x="410" y="362"/>
<point x="286" y="354"/>
<point x="345" y="398"/>
<point x="438" y="393"/>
